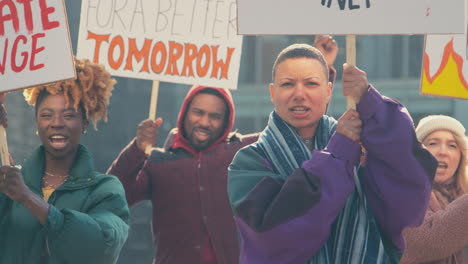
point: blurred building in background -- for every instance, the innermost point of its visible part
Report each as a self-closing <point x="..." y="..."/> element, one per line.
<point x="392" y="63"/>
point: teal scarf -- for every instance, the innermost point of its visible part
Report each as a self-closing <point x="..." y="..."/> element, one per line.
<point x="354" y="236"/>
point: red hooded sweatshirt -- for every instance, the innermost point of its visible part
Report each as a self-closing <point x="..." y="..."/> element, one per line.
<point x="192" y="217"/>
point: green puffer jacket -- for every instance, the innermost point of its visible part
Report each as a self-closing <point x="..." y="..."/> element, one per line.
<point x="87" y="221"/>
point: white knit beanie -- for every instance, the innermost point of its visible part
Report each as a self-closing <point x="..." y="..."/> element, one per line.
<point x="431" y="123"/>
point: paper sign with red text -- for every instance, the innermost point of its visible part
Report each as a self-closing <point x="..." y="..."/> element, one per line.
<point x="35" y="43"/>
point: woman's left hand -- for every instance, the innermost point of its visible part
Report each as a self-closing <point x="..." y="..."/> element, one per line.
<point x="12" y="184"/>
<point x="350" y="125"/>
<point x="354" y="82"/>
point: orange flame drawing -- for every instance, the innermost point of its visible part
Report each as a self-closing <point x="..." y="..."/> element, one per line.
<point x="448" y="80"/>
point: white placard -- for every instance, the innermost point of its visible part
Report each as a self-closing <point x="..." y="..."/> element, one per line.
<point x="445" y="65"/>
<point x="182" y="41"/>
<point x="360" y="17"/>
<point x="35" y="44"/>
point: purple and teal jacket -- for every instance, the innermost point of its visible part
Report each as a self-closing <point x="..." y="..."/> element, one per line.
<point x="296" y="206"/>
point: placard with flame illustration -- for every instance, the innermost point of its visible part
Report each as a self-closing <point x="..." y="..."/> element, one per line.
<point x="445" y="71"/>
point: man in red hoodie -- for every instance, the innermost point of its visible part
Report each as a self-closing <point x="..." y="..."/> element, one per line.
<point x="192" y="218"/>
<point x="187" y="182"/>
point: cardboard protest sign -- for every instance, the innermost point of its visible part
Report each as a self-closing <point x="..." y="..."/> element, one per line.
<point x="445" y="66"/>
<point x="359" y="17"/>
<point x="34" y="43"/>
<point x="190" y="42"/>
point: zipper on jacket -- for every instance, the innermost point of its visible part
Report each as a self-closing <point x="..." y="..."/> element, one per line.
<point x="52" y="198"/>
<point x="51" y="201"/>
<point x="199" y="161"/>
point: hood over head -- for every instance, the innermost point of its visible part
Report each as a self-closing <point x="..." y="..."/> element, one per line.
<point x="180" y="141"/>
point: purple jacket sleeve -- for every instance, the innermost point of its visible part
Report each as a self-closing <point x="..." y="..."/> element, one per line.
<point x="277" y="221"/>
<point x="126" y="167"/>
<point x="398" y="171"/>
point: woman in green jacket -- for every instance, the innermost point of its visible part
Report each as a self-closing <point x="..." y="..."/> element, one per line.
<point x="57" y="208"/>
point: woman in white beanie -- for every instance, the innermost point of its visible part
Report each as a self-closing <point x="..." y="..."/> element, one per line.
<point x="444" y="233"/>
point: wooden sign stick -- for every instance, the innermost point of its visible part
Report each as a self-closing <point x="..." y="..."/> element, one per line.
<point x="350" y="59"/>
<point x="153" y="106"/>
<point x="154" y="100"/>
<point x="4" y="147"/>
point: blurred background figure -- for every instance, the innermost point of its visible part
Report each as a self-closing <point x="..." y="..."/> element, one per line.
<point x="444" y="233"/>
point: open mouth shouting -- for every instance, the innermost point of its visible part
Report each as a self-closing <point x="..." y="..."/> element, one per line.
<point x="299" y="111"/>
<point x="58" y="141"/>
<point x="442" y="165"/>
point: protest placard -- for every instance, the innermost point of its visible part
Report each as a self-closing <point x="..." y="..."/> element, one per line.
<point x="34" y="44"/>
<point x="190" y="42"/>
<point x="445" y="66"/>
<point x="359" y="17"/>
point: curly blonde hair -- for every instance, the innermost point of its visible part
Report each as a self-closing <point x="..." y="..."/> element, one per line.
<point x="92" y="89"/>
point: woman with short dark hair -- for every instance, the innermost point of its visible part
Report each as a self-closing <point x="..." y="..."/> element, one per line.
<point x="300" y="193"/>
